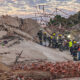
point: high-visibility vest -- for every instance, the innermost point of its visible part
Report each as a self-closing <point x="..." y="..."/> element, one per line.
<point x="70" y="44"/>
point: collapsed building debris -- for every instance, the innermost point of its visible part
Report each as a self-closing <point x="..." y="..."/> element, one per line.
<point x="26" y="28"/>
<point x="10" y="27"/>
<point x="42" y="71"/>
<point x="19" y="32"/>
<point x="26" y="25"/>
<point x="20" y="29"/>
<point x="57" y="70"/>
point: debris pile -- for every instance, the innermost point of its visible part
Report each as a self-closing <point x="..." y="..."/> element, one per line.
<point x="22" y="27"/>
<point x="11" y="21"/>
<point x="76" y="27"/>
<point x="76" y="31"/>
<point x="14" y="29"/>
<point x="44" y="71"/>
<point x="57" y="70"/>
<point x="31" y="27"/>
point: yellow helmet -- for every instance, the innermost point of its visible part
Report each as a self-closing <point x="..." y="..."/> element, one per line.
<point x="54" y="34"/>
<point x="60" y="34"/>
<point x="74" y="42"/>
<point x="51" y="37"/>
<point x="44" y="32"/>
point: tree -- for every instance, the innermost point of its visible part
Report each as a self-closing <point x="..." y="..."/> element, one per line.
<point x="79" y="16"/>
<point x="66" y="22"/>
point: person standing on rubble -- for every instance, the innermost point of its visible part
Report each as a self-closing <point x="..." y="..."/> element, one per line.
<point x="78" y="53"/>
<point x="60" y="42"/>
<point x="40" y="35"/>
<point x="71" y="47"/>
<point x="70" y="43"/>
<point x="72" y="50"/>
<point x="54" y="41"/>
<point x="45" y="38"/>
<point x="50" y="40"/>
<point x="75" y="50"/>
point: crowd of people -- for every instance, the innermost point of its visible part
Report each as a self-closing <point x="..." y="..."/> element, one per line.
<point x="61" y="42"/>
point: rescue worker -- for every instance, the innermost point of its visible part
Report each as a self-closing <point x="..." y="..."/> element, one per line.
<point x="45" y="38"/>
<point x="54" y="34"/>
<point x="72" y="50"/>
<point x="67" y="45"/>
<point x="54" y="41"/>
<point x="74" y="42"/>
<point x="60" y="42"/>
<point x="40" y="34"/>
<point x="71" y="46"/>
<point x="50" y="40"/>
<point x="75" y="52"/>
<point x="78" y="53"/>
<point x="65" y="42"/>
<point x="74" y="46"/>
<point x="60" y="39"/>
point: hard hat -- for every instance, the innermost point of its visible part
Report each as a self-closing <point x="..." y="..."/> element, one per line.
<point x="60" y="34"/>
<point x="54" y="34"/>
<point x="74" y="42"/>
<point x="44" y="32"/>
<point x="51" y="37"/>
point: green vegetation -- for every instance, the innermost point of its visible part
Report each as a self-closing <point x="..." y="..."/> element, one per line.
<point x="66" y="22"/>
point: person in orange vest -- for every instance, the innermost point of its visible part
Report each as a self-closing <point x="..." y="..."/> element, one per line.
<point x="78" y="53"/>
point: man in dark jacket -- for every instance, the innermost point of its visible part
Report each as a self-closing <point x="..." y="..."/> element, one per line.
<point x="50" y="40"/>
<point x="54" y="42"/>
<point x="45" y="38"/>
<point x="72" y="50"/>
<point x="40" y="35"/>
<point x="75" y="52"/>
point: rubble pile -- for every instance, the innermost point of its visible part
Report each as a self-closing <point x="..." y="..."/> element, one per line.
<point x="30" y="26"/>
<point x="44" y="71"/>
<point x="76" y="27"/>
<point x="57" y="70"/>
<point x="22" y="27"/>
<point x="76" y="31"/>
<point x="12" y="21"/>
<point x="14" y="29"/>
